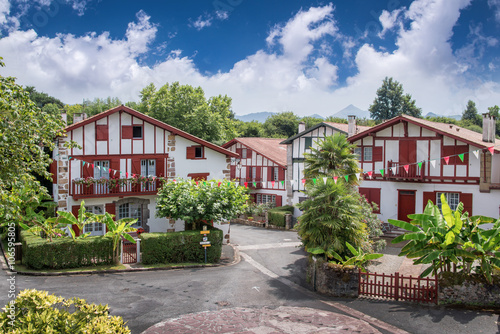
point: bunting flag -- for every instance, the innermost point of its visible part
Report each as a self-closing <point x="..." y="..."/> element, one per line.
<point x="218" y="185"/>
<point x="370" y="174"/>
<point x="255" y="184"/>
<point x="476" y="153"/>
<point x="461" y="156"/>
<point x="346" y="178"/>
<point x="433" y="163"/>
<point x="446" y="159"/>
<point x="393" y="170"/>
<point x="382" y="172"/>
<point x="420" y="165"/>
<point x="126" y="174"/>
<point x="314" y="181"/>
<point x="272" y="183"/>
<point x="204" y="183"/>
<point x="196" y="182"/>
<point x="491" y="149"/>
<point x="406" y="167"/>
<point x="84" y="164"/>
<point x="246" y="184"/>
<point x="335" y="178"/>
<point x="282" y="183"/>
<point x="324" y="179"/>
<point x="357" y="175"/>
<point x="303" y="181"/>
<point x="92" y="165"/>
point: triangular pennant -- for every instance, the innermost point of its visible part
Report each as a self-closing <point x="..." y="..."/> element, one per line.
<point x="99" y="167"/>
<point x="358" y="175"/>
<point x="126" y="175"/>
<point x="382" y="172"/>
<point x="346" y="178"/>
<point x="370" y="174"/>
<point x="335" y="178"/>
<point x="282" y="182"/>
<point x="461" y="156"/>
<point x="447" y="160"/>
<point x="211" y="184"/>
<point x="303" y="181"/>
<point x="255" y="184"/>
<point x="491" y="149"/>
<point x="324" y="179"/>
<point x="69" y="158"/>
<point x="218" y="185"/>
<point x="476" y="153"/>
<point x="246" y="184"/>
<point x="393" y="170"/>
<point x="204" y="183"/>
<point x="196" y="182"/>
<point x="83" y="164"/>
<point x="272" y="183"/>
<point x="419" y="165"/>
<point x="406" y="167"/>
<point x="314" y="181"/>
<point x="433" y="163"/>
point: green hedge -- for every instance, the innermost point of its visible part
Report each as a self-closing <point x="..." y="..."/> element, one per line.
<point x="276" y="216"/>
<point x="180" y="247"/>
<point x="64" y="253"/>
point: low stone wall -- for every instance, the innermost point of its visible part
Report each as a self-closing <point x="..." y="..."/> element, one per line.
<point x="469" y="290"/>
<point x="332" y="279"/>
<point x="248" y="222"/>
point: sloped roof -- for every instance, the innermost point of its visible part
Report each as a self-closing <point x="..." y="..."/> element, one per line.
<point x="267" y="147"/>
<point x="341" y="127"/>
<point x="464" y="135"/>
<point x="153" y="121"/>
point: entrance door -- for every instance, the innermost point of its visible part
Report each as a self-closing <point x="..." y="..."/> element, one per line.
<point x="406" y="204"/>
<point x="407" y="156"/>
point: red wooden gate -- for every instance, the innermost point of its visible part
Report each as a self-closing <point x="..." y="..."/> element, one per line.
<point x="398" y="287"/>
<point x="129" y="252"/>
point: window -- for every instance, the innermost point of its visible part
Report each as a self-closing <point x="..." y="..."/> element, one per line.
<point x="254" y="172"/>
<point x="195" y="152"/>
<point x="131" y="210"/>
<point x="198" y="152"/>
<point x="367" y="154"/>
<point x="452" y="198"/>
<point x="148" y="167"/>
<point x="243" y="153"/>
<point x="308" y="142"/>
<point x="264" y="199"/>
<point x="101" y="169"/>
<point x="94" y="228"/>
<point x="357" y="153"/>
<point x="137" y="132"/>
<point x="275" y="174"/>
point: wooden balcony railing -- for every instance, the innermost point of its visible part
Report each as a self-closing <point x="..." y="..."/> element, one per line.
<point x="250" y="183"/>
<point x="109" y="188"/>
<point x="396" y="171"/>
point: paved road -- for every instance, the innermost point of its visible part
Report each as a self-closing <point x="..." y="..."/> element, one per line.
<point x="271" y="274"/>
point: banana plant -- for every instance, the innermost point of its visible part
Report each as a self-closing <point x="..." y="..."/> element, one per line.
<point x="117" y="231"/>
<point x="83" y="218"/>
<point x="360" y="258"/>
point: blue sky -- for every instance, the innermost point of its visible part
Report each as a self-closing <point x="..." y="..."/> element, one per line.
<point x="310" y="57"/>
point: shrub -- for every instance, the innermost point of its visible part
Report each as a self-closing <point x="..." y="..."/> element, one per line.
<point x="180" y="247"/>
<point x="277" y="215"/>
<point x="65" y="253"/>
<point x="38" y="312"/>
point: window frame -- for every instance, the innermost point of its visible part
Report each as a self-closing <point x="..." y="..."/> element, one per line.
<point x="94" y="227"/>
<point x="134" y="127"/>
<point x="365" y="149"/>
<point x="452" y="203"/>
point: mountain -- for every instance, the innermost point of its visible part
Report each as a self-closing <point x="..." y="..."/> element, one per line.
<point x="431" y="114"/>
<point x="352" y="110"/>
<point x="256" y="116"/>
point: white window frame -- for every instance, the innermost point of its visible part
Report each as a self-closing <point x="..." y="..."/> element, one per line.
<point x="368" y="153"/>
<point x="357" y="153"/>
<point x="94" y="227"/>
<point x="276" y="173"/>
<point x="265" y="198"/>
<point x="148" y="167"/>
<point x="452" y="198"/>
<point x="243" y="153"/>
<point x="131" y="210"/>
<point x="99" y="166"/>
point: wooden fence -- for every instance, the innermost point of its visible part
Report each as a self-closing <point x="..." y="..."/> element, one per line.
<point x="398" y="287"/>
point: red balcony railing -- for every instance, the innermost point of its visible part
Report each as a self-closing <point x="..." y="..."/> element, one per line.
<point x="396" y="170"/>
<point x="109" y="188"/>
<point x="250" y="183"/>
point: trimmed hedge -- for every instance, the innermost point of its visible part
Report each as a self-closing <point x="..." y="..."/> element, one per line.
<point x="180" y="247"/>
<point x="63" y="253"/>
<point x="276" y="216"/>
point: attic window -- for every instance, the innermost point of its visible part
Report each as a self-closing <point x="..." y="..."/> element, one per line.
<point x="137" y="132"/>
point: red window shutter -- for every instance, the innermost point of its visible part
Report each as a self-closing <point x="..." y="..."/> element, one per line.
<point x="87" y="170"/>
<point x="259" y="173"/>
<point x="190" y="152"/>
<point x="448" y="151"/>
<point x="74" y="210"/>
<point x="429" y="195"/>
<point x="238" y="151"/>
<point x="281" y="174"/>
<point x="463" y="149"/>
<point x="136" y="166"/>
<point x="270" y="174"/>
<point x="101" y="132"/>
<point x="53" y="171"/>
<point x="467" y="200"/>
<point x="127" y="131"/>
<point x="111" y="208"/>
<point x="160" y="167"/>
<point x="375" y="197"/>
<point x="278" y="201"/>
<point x="232" y="171"/>
<point x="114" y="165"/>
<point x="377" y="153"/>
<point x="249" y="153"/>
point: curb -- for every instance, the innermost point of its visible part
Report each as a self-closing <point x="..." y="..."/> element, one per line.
<point x="3" y="260"/>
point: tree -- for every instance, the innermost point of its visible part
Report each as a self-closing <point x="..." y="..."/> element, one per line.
<point x="117" y="231"/>
<point x="333" y="212"/>
<point x="249" y="129"/>
<point x="311" y="121"/>
<point x="42" y="99"/>
<point x="206" y="201"/>
<point x="26" y="134"/>
<point x="98" y="105"/>
<point x="185" y="107"/>
<point x="390" y="102"/>
<point x="470" y="114"/>
<point x="281" y="125"/>
<point x="494" y="111"/>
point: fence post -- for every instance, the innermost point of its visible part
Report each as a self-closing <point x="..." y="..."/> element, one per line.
<point x="138" y="258"/>
<point x="396" y="286"/>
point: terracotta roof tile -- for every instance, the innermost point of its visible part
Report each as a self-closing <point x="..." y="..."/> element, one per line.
<point x="267" y="147"/>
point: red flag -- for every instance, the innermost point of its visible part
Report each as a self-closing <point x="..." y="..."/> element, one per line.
<point x="406" y="167"/>
<point x="219" y="184"/>
<point x="370" y="174"/>
<point x="272" y="183"/>
<point x="246" y="184"/>
<point x="447" y="159"/>
<point x="491" y="149"/>
<point x="303" y="181"/>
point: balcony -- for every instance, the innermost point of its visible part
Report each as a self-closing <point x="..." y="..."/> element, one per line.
<point x="250" y="183"/>
<point x="396" y="171"/>
<point x="95" y="188"/>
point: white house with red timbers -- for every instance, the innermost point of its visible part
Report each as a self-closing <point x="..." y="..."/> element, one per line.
<point x="407" y="161"/>
<point x="261" y="167"/>
<point x="122" y="153"/>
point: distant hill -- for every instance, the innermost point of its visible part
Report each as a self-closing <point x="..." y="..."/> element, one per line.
<point x="352" y="110"/>
<point x="256" y="116"/>
<point x="431" y="114"/>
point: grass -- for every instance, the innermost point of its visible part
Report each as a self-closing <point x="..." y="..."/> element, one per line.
<point x="25" y="269"/>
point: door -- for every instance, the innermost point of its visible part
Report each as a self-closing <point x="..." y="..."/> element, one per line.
<point x="407" y="156"/>
<point x="406" y="204"/>
<point x="101" y="171"/>
<point x="94" y="228"/>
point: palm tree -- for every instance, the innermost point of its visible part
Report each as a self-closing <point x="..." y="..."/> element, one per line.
<point x="333" y="157"/>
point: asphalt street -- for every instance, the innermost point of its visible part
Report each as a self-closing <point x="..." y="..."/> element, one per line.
<point x="271" y="274"/>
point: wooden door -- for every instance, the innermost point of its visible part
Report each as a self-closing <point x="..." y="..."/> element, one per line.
<point x="407" y="156"/>
<point x="406" y="204"/>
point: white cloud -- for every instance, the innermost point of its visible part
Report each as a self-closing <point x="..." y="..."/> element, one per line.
<point x="388" y="20"/>
<point x="295" y="73"/>
<point x="495" y="5"/>
<point x="4" y="11"/>
<point x="205" y="20"/>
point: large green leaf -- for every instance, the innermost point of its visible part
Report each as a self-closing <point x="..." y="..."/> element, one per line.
<point x="404" y="225"/>
<point x="426" y="272"/>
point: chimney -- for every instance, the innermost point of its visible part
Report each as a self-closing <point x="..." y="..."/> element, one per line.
<point x="302" y="127"/>
<point x="488" y="128"/>
<point x="78" y="117"/>
<point x="64" y="117"/>
<point x="351" y="125"/>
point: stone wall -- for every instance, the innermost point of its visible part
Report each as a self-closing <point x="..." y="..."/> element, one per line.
<point x="63" y="183"/>
<point x="469" y="290"/>
<point x="333" y="279"/>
